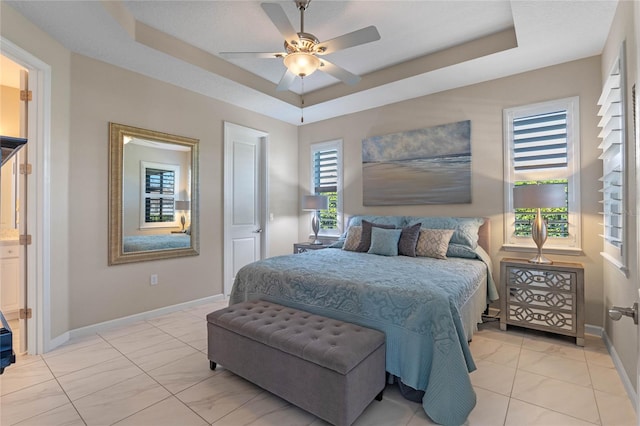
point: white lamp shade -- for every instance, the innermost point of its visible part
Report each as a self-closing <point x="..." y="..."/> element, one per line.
<point x="550" y="195"/>
<point x="182" y="205"/>
<point x="315" y="202"/>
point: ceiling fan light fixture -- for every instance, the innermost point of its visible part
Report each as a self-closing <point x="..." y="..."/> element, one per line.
<point x="301" y="64"/>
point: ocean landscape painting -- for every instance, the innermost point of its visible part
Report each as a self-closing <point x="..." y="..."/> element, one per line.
<point x="425" y="166"/>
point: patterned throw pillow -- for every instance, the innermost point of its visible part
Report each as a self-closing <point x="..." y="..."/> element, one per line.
<point x="408" y="240"/>
<point x="384" y="241"/>
<point x="353" y="238"/>
<point x="365" y="239"/>
<point x="434" y="243"/>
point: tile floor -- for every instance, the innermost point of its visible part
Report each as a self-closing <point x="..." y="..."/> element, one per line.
<point x="156" y="372"/>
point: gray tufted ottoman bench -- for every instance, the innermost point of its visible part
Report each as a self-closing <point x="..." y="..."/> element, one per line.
<point x="330" y="368"/>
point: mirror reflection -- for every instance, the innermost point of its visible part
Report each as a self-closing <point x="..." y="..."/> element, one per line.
<point x="154" y="195"/>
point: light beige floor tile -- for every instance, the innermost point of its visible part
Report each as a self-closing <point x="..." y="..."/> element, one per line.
<point x="218" y="396"/>
<point x="567" y="398"/>
<point x="491" y="331"/>
<point x="606" y="380"/>
<point x="599" y="357"/>
<point x="125" y="330"/>
<point x="201" y="311"/>
<point x="74" y="345"/>
<point x="267" y="409"/>
<point x="196" y="339"/>
<point x="24" y="359"/>
<point x="20" y="376"/>
<point x="592" y="342"/>
<point x="158" y="355"/>
<point x="524" y="414"/>
<point x="183" y="326"/>
<point x="97" y="377"/>
<point x="31" y="401"/>
<point x="142" y="339"/>
<point x="119" y="401"/>
<point x="168" y="412"/>
<point x="493" y="377"/>
<point x="615" y="410"/>
<point x="170" y="318"/>
<point x="65" y="415"/>
<point x="495" y="351"/>
<point x="84" y="357"/>
<point x="553" y="346"/>
<point x="490" y="409"/>
<point x="393" y="409"/>
<point x="183" y="372"/>
<point x="557" y="367"/>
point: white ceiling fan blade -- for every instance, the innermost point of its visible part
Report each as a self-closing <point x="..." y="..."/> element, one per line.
<point x="244" y="55"/>
<point x="275" y="12"/>
<point x="285" y="81"/>
<point x="356" y="38"/>
<point x="339" y="73"/>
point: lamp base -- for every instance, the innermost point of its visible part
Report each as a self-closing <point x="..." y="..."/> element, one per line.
<point x="540" y="259"/>
<point x="317" y="242"/>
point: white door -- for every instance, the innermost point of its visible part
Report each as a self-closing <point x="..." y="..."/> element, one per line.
<point x="244" y="199"/>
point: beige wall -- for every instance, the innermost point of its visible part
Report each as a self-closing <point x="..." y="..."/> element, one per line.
<point x="101" y="93"/>
<point x="483" y="104"/>
<point x="618" y="289"/>
<point x="9" y="126"/>
<point x="21" y="32"/>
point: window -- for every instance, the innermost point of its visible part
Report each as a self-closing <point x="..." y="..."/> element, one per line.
<point x="326" y="179"/>
<point x="541" y="143"/>
<point x="613" y="135"/>
<point x="159" y="190"/>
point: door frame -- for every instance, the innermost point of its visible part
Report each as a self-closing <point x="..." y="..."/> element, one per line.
<point x="38" y="254"/>
<point x="227" y="200"/>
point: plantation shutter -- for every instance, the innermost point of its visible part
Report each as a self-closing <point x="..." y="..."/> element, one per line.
<point x="159" y="202"/>
<point x="325" y="167"/>
<point x="540" y="141"/>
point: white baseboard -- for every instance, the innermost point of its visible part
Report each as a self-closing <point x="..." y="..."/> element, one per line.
<point x="119" y="322"/>
<point x="626" y="381"/>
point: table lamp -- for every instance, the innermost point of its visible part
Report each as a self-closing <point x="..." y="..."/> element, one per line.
<point x="182" y="206"/>
<point x="315" y="203"/>
<point x="551" y="195"/>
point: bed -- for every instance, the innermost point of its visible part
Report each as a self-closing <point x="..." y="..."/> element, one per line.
<point x="132" y="243"/>
<point x="428" y="308"/>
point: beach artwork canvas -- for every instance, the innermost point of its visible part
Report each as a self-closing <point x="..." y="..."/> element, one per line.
<point x="425" y="166"/>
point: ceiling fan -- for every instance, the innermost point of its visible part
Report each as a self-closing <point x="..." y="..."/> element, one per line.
<point x="304" y="53"/>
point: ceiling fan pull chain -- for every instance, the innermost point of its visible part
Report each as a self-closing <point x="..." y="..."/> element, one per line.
<point x="302" y="101"/>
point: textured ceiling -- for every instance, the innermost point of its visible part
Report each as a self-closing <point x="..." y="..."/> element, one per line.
<point x="425" y="46"/>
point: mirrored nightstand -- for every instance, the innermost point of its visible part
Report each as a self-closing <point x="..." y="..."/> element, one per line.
<point x="304" y="247"/>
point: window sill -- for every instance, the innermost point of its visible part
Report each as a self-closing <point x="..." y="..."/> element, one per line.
<point x="566" y="251"/>
<point x="615" y="262"/>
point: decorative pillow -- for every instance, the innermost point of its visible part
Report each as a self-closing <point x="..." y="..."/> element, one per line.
<point x="465" y="228"/>
<point x="353" y="238"/>
<point x="384" y="241"/>
<point x="434" y="243"/>
<point x="408" y="240"/>
<point x="365" y="239"/>
<point x="460" y="250"/>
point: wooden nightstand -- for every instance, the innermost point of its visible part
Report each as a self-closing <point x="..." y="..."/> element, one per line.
<point x="543" y="297"/>
<point x="303" y="247"/>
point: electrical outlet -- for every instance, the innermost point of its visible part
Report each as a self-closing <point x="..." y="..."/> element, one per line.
<point x="154" y="279"/>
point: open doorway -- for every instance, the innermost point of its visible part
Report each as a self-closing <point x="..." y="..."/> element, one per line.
<point x="13" y="124"/>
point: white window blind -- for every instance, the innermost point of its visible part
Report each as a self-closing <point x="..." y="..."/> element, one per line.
<point x="540" y="141"/>
<point x="326" y="178"/>
<point x="612" y="123"/>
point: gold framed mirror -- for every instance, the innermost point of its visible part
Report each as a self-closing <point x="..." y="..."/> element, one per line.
<point x="153" y="195"/>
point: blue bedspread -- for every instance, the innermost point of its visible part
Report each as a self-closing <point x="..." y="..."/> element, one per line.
<point x="414" y="301"/>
